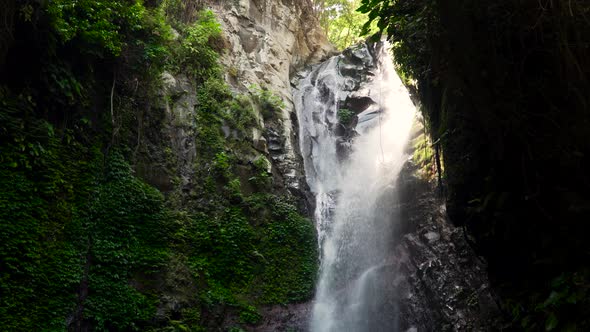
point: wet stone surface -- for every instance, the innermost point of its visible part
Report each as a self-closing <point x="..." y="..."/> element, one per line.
<point x="442" y="285"/>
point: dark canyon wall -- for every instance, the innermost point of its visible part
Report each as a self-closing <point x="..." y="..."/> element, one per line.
<point x="503" y="85"/>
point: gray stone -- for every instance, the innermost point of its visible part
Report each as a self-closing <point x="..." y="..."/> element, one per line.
<point x="260" y="145"/>
<point x="226" y="131"/>
<point x="432" y="237"/>
<point x="268" y="41"/>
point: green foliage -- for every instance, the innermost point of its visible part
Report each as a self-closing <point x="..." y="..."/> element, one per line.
<point x="67" y="230"/>
<point x="236" y="329"/>
<point x="408" y="25"/>
<point x="64" y="85"/>
<point x="288" y="247"/>
<point x="181" y="12"/>
<point x="248" y="250"/>
<point x="234" y="188"/>
<point x="249" y="315"/>
<point x="126" y="227"/>
<point x="261" y="177"/>
<point x="153" y="40"/>
<point x="198" y="52"/>
<point x="100" y="24"/>
<point x="221" y="164"/>
<point x="212" y="97"/>
<point x="345" y="116"/>
<point x="241" y="113"/>
<point x="269" y="102"/>
<point x="39" y="269"/>
<point x="340" y="20"/>
<point x="567" y="298"/>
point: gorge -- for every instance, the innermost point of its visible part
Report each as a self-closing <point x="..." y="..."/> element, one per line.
<point x="196" y="165"/>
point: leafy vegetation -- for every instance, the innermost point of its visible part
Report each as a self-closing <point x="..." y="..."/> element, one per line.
<point x="198" y="53"/>
<point x="345" y="116"/>
<point x="341" y="21"/>
<point x="85" y="243"/>
<point x="67" y="228"/>
<point x="269" y="102"/>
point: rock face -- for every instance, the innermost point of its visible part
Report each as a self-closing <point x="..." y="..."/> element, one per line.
<point x="269" y="40"/>
<point x="441" y="283"/>
<point x="266" y="41"/>
<point x="338" y="94"/>
<point x="168" y="149"/>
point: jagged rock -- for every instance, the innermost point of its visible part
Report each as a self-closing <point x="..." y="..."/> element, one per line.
<point x="432" y="237"/>
<point x="443" y="285"/>
<point x="226" y="131"/>
<point x="268" y="41"/>
<point x="168" y="82"/>
<point x="260" y="145"/>
<point x="358" y="103"/>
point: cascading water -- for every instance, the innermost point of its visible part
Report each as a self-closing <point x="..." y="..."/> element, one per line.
<point x="352" y="176"/>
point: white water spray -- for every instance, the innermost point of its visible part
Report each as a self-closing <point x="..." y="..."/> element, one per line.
<point x="355" y="195"/>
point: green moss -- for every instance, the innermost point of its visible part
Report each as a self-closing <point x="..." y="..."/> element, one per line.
<point x="423" y="156"/>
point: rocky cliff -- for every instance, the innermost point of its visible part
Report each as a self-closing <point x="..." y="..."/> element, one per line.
<point x="504" y="88"/>
<point x="441" y="283"/>
<point x="269" y="41"/>
<point x="264" y="44"/>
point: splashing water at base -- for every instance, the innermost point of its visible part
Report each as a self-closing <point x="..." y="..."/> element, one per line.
<point x="355" y="191"/>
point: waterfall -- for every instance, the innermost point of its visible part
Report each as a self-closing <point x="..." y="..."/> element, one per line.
<point x="352" y="173"/>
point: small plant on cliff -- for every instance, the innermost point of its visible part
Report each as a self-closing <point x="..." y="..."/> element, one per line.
<point x="345" y="116"/>
<point x="249" y="315"/>
<point x="262" y="177"/>
<point x="241" y="113"/>
<point x="269" y="102"/>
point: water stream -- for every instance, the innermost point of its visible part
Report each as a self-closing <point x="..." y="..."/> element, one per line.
<point x="353" y="180"/>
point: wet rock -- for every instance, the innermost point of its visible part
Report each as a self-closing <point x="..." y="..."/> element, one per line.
<point x="448" y="283"/>
<point x="432" y="237"/>
<point x="275" y="142"/>
<point x="360" y="56"/>
<point x="358" y="103"/>
<point x="349" y="70"/>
